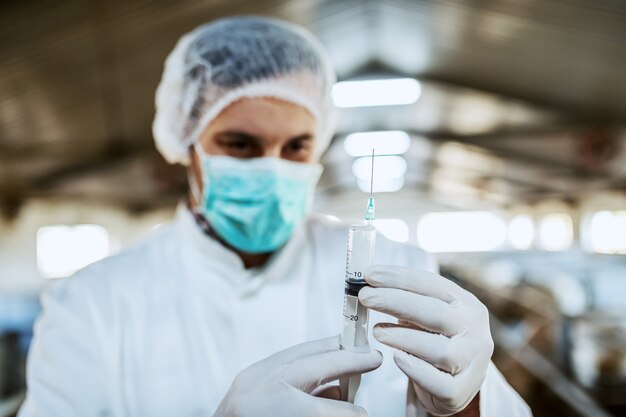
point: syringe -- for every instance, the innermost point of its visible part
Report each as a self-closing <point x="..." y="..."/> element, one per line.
<point x="360" y="254"/>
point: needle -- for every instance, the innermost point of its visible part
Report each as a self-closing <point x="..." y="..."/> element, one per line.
<point x="372" y="176"/>
<point x="370" y="215"/>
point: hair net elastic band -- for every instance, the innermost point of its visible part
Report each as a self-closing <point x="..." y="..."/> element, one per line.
<point x="257" y="90"/>
<point x="273" y="89"/>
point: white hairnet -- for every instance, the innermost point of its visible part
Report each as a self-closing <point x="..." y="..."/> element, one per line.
<point x="223" y="61"/>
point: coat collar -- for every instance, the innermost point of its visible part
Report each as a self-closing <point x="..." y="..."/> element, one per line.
<point x="212" y="256"/>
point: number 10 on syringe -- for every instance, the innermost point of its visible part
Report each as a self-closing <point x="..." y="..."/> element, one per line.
<point x="360" y="254"/>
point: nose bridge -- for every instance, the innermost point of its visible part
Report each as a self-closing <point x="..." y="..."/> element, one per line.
<point x="272" y="149"/>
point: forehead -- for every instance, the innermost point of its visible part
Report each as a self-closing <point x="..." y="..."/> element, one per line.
<point x="264" y="117"/>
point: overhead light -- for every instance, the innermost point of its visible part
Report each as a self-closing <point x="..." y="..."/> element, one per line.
<point x="63" y="250"/>
<point x="381" y="185"/>
<point x="388" y="173"/>
<point x="385" y="167"/>
<point x="385" y="92"/>
<point x="390" y="142"/>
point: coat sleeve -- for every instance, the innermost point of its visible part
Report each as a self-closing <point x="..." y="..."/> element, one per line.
<point x="65" y="367"/>
<point x="498" y="398"/>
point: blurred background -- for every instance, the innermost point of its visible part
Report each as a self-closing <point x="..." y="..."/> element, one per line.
<point x="503" y="130"/>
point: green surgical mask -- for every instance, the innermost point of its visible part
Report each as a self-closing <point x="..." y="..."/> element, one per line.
<point x="255" y="204"/>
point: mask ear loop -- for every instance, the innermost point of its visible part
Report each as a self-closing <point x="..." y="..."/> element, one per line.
<point x="194" y="187"/>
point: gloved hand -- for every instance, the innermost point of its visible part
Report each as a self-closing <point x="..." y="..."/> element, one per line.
<point x="286" y="383"/>
<point x="442" y="335"/>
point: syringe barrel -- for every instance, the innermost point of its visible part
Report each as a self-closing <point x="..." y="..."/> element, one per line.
<point x="360" y="255"/>
<point x="361" y="241"/>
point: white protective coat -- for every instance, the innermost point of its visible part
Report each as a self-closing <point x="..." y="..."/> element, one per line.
<point x="162" y="329"/>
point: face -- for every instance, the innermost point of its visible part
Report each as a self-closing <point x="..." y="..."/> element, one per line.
<point x="259" y="127"/>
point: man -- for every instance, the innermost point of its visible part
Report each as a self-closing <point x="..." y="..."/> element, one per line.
<point x="228" y="310"/>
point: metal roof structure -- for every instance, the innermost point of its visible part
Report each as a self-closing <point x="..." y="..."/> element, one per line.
<point x="528" y="96"/>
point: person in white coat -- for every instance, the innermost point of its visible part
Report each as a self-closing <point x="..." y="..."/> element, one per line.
<point x="233" y="308"/>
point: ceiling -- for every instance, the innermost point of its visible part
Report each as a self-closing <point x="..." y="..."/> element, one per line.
<point x="529" y="97"/>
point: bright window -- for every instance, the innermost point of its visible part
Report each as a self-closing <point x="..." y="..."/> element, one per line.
<point x="607" y="232"/>
<point x="461" y="232"/>
<point x="62" y="250"/>
<point x="521" y="232"/>
<point x="556" y="232"/>
<point x="393" y="229"/>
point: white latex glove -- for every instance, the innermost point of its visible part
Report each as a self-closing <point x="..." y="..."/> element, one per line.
<point x="442" y="336"/>
<point x="286" y="383"/>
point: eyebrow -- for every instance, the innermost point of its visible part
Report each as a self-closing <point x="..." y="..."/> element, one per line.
<point x="304" y="136"/>
<point x="238" y="135"/>
<point x="247" y="136"/>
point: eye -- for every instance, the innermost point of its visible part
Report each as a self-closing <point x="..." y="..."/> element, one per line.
<point x="297" y="145"/>
<point x="239" y="145"/>
<point x="298" y="148"/>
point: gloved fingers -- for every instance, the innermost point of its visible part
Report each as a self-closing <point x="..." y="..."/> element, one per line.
<point x="424" y="311"/>
<point x="293" y="353"/>
<point x="323" y="407"/>
<point x="451" y="391"/>
<point x="406" y="323"/>
<point x="413" y="280"/>
<point x="447" y="354"/>
<point x="310" y="372"/>
<point x="332" y="392"/>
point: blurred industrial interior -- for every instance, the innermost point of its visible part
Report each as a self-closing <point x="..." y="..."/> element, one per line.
<point x="509" y="162"/>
